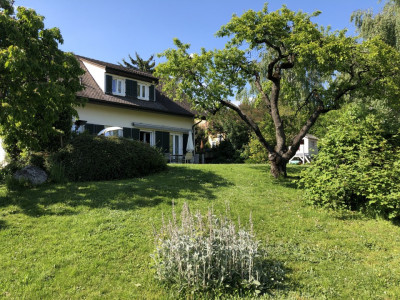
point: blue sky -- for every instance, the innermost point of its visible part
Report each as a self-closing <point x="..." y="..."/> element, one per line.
<point x="110" y="30"/>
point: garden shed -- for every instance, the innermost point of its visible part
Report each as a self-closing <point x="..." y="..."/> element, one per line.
<point x="308" y="148"/>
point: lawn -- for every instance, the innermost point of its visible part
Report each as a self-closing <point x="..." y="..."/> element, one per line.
<point x="93" y="240"/>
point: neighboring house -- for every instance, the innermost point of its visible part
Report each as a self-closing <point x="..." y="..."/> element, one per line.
<point x="308" y="148"/>
<point x="129" y="98"/>
<point x="213" y="139"/>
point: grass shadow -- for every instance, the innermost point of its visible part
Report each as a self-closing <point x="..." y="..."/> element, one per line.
<point x="129" y="194"/>
<point x="278" y="273"/>
<point x="3" y="224"/>
<point x="293" y="174"/>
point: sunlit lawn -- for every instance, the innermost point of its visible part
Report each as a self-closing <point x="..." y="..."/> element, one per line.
<point x="93" y="240"/>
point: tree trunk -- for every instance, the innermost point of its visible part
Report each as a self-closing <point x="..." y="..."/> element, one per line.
<point x="278" y="167"/>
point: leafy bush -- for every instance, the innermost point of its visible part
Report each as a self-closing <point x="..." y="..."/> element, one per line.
<point x="105" y="158"/>
<point x="254" y="152"/>
<point x="358" y="167"/>
<point x="9" y="169"/>
<point x="225" y="153"/>
<point x="209" y="255"/>
<point x="13" y="184"/>
<point x="57" y="173"/>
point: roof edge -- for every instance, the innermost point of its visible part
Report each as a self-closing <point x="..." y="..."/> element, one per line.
<point x="114" y="104"/>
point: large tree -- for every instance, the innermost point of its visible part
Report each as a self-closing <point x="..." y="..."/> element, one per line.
<point x="139" y="63"/>
<point x="38" y="81"/>
<point x="291" y="61"/>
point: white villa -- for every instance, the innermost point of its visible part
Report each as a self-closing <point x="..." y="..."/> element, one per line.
<point x="129" y="98"/>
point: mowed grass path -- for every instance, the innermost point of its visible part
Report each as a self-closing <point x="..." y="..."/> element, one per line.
<point x="93" y="240"/>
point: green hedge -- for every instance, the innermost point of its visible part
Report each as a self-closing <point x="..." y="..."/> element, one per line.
<point x="89" y="158"/>
<point x="358" y="167"/>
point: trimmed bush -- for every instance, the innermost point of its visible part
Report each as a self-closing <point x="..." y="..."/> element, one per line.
<point x="357" y="168"/>
<point x="210" y="255"/>
<point x="89" y="158"/>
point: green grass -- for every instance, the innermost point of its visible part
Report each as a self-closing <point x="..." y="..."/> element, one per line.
<point x="93" y="240"/>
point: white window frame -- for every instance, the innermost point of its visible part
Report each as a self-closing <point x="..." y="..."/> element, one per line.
<point x="152" y="136"/>
<point x="180" y="139"/>
<point x="140" y="87"/>
<point x="118" y="79"/>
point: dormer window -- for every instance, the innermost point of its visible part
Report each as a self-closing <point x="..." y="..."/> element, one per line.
<point x="142" y="91"/>
<point x="118" y="87"/>
<point x="130" y="88"/>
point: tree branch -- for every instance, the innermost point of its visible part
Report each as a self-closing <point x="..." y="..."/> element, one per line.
<point x="264" y="96"/>
<point x="250" y="123"/>
<point x="302" y="133"/>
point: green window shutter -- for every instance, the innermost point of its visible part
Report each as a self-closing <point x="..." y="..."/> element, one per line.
<point x="93" y="129"/>
<point x="134" y="89"/>
<point x="185" y="140"/>
<point x="159" y="139"/>
<point x="162" y="141"/>
<point x="135" y="134"/>
<point x="89" y="128"/>
<point x="151" y="93"/>
<point x="165" y="142"/>
<point x="129" y="88"/>
<point x="108" y="84"/>
<point x="98" y="128"/>
<point x="127" y="132"/>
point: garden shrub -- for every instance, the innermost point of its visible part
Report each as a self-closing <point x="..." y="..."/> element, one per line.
<point x="358" y="167"/>
<point x="210" y="255"/>
<point x="254" y="152"/>
<point x="225" y="153"/>
<point x="88" y="158"/>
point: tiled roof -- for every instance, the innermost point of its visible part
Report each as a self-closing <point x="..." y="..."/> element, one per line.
<point x="113" y="67"/>
<point x="95" y="95"/>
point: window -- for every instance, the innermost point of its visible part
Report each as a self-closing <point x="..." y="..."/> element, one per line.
<point x="118" y="87"/>
<point x="142" y="91"/>
<point x="175" y="144"/>
<point x="146" y="137"/>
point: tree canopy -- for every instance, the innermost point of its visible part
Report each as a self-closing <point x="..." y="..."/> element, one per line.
<point x="385" y="24"/>
<point x="291" y="61"/>
<point x="38" y="81"/>
<point x="139" y="63"/>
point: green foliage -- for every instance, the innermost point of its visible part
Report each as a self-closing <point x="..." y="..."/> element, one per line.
<point x="208" y="254"/>
<point x="254" y="152"/>
<point x="9" y="169"/>
<point x="225" y="153"/>
<point x="38" y="81"/>
<point x="227" y="123"/>
<point x="298" y="69"/>
<point x="357" y="165"/>
<point x="15" y="185"/>
<point x="139" y="63"/>
<point x="57" y="172"/>
<point x="89" y="158"/>
<point x="385" y="24"/>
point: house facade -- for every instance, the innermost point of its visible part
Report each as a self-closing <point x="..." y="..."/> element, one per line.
<point x="129" y="98"/>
